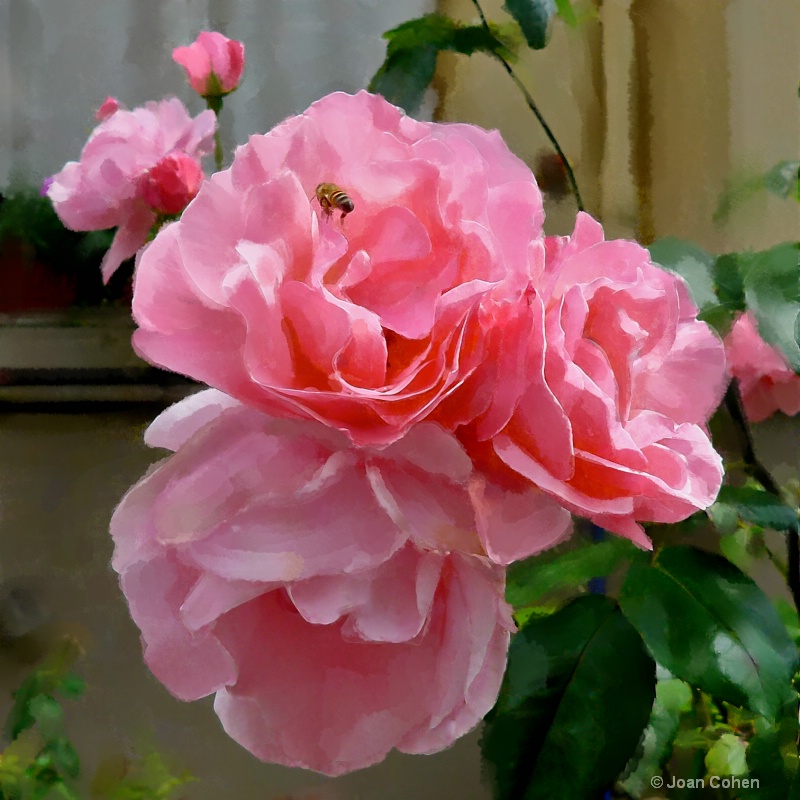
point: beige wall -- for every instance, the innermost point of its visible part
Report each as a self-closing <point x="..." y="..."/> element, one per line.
<point x="658" y="103"/>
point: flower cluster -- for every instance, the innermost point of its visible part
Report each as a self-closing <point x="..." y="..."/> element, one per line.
<point x="403" y="403"/>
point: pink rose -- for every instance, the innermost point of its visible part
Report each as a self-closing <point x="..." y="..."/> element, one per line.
<point x="604" y="404"/>
<point x="102" y="190"/>
<point x="366" y="324"/>
<point x="172" y="184"/>
<point x="213" y="63"/>
<point x="766" y="381"/>
<point x="338" y="600"/>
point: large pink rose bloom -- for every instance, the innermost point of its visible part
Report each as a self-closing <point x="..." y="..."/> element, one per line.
<point x="604" y="405"/>
<point x="340" y="601"/>
<point x="766" y="381"/>
<point x="365" y="323"/>
<point x="103" y="189"/>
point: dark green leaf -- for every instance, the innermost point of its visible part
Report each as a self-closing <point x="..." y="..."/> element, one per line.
<point x="783" y="178"/>
<point x="20" y="716"/>
<point x="534" y="18"/>
<point x="710" y="625"/>
<point x="728" y="281"/>
<point x="692" y="263"/>
<point x="529" y="580"/>
<point x="765" y="756"/>
<point x="755" y="506"/>
<point x="568" y="675"/>
<point x="411" y="54"/>
<point x="772" y="292"/>
<point x="405" y="75"/>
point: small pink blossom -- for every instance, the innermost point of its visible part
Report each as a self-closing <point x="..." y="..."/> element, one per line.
<point x="169" y="186"/>
<point x="368" y="324"/>
<point x="102" y="190"/>
<point x="766" y="381"/>
<point x="600" y="388"/>
<point x="213" y="63"/>
<point x="338" y="600"/>
<point x="110" y="106"/>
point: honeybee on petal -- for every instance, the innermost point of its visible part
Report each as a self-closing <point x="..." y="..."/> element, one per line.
<point x="333" y="198"/>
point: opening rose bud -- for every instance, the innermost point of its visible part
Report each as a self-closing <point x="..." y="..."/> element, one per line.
<point x="213" y="63"/>
<point x="171" y="184"/>
<point x="110" y="106"/>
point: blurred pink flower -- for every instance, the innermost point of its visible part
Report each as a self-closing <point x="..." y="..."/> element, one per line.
<point x="605" y="402"/>
<point x="110" y="106"/>
<point x="169" y="186"/>
<point x="213" y="63"/>
<point x="365" y="325"/>
<point x="338" y="600"/>
<point x="766" y="381"/>
<point x="102" y="190"/>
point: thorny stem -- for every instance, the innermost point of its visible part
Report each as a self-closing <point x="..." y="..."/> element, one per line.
<point x="733" y="402"/>
<point x="538" y="114"/>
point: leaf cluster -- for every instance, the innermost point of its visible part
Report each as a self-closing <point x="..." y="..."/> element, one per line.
<point x="41" y="763"/>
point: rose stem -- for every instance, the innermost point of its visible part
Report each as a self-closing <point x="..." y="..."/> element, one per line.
<point x="533" y="107"/>
<point x="733" y="402"/>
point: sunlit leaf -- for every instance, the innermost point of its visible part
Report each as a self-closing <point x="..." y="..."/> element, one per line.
<point x="710" y="625"/>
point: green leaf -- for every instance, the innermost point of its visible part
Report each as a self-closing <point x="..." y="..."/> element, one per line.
<point x="411" y="54"/>
<point x="64" y="756"/>
<point x="727" y="756"/>
<point x="673" y="699"/>
<point x="728" y="281"/>
<point x="770" y="754"/>
<point x="72" y="686"/>
<point x="529" y="580"/>
<point x="692" y="263"/>
<point x="783" y="178"/>
<point x="772" y="292"/>
<point x="710" y="625"/>
<point x="20" y="716"/>
<point x="568" y="675"/>
<point x="567" y="13"/>
<point x="755" y="506"/>
<point x="534" y="18"/>
<point x="49" y="716"/>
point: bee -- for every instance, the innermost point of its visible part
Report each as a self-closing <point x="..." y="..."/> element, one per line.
<point x="333" y="198"/>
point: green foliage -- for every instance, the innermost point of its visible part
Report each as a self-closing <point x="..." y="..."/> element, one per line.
<point x="540" y="742"/>
<point x="752" y="505"/>
<point x="710" y="625"/>
<point x="782" y="180"/>
<point x="41" y="763"/>
<point x="534" y="18"/>
<point x="413" y="50"/>
<point x="530" y="580"/>
<point x="673" y="700"/>
<point x="771" y="282"/>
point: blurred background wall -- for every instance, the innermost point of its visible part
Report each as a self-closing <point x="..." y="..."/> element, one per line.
<point x="658" y="103"/>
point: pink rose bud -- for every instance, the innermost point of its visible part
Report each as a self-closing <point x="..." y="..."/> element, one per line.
<point x="213" y="63"/>
<point x="110" y="106"/>
<point x="171" y="184"/>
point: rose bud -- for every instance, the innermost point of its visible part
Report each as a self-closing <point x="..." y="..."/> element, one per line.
<point x="213" y="63"/>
